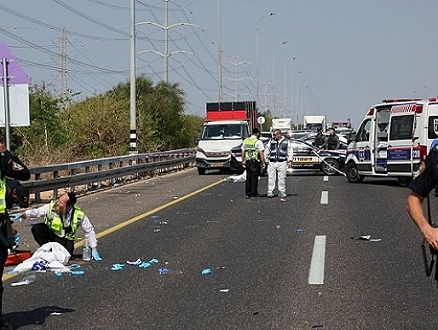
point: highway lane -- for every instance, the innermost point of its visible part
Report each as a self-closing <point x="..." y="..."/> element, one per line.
<point x="260" y="254"/>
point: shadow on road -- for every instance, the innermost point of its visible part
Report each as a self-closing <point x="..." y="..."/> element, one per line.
<point x="36" y="317"/>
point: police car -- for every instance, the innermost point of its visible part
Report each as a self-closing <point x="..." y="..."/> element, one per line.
<point x="309" y="158"/>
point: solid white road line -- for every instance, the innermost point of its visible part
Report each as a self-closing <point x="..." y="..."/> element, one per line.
<point x="324" y="197"/>
<point x="325" y="178"/>
<point x="316" y="274"/>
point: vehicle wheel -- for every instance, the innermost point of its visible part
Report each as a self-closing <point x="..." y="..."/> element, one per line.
<point x="404" y="181"/>
<point x="201" y="171"/>
<point x="352" y="174"/>
<point x="332" y="168"/>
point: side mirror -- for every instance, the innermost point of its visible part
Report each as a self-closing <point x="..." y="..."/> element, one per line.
<point x="197" y="139"/>
<point x="353" y="137"/>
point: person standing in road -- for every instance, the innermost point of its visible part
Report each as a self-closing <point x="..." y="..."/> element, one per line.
<point x="62" y="218"/>
<point x="319" y="141"/>
<point x="332" y="141"/>
<point x="279" y="152"/>
<point x="12" y="167"/>
<point x="253" y="160"/>
<point x="425" y="179"/>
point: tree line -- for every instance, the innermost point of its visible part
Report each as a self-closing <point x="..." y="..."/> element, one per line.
<point x="64" y="131"/>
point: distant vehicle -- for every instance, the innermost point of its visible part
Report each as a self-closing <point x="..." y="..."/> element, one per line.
<point x="312" y="123"/>
<point x="226" y="125"/>
<point x="308" y="157"/>
<point x="309" y="138"/>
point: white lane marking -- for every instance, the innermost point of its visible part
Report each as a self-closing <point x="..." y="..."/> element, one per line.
<point x="324" y="197"/>
<point x="316" y="274"/>
<point x="325" y="178"/>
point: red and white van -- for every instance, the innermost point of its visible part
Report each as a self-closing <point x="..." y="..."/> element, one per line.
<point x="392" y="140"/>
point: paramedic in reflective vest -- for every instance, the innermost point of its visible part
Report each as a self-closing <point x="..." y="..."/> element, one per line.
<point x="425" y="180"/>
<point x="12" y="167"/>
<point x="62" y="218"/>
<point x="252" y="156"/>
<point x="279" y="152"/>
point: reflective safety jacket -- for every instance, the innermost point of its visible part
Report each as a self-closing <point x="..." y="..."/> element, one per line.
<point x="251" y="152"/>
<point x="54" y="221"/>
<point x="2" y="196"/>
<point x="278" y="150"/>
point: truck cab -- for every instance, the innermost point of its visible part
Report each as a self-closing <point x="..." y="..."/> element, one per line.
<point x="227" y="124"/>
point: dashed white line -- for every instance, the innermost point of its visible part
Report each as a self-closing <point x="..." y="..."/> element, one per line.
<point x="324" y="197"/>
<point x="325" y="178"/>
<point x="316" y="274"/>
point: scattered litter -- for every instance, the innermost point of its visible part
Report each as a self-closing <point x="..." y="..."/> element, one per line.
<point x="153" y="261"/>
<point x="58" y="274"/>
<point x="282" y="200"/>
<point x="75" y="266"/>
<point x="144" y="265"/>
<point x="255" y="313"/>
<point x="116" y="185"/>
<point x="224" y="290"/>
<point x="176" y="197"/>
<point x="300" y="230"/>
<point x="157" y="230"/>
<point x="163" y="222"/>
<point x="137" y="195"/>
<point x="77" y="273"/>
<point x="206" y="271"/>
<point x="366" y="238"/>
<point x="118" y="266"/>
<point x="25" y="281"/>
<point x="163" y="270"/>
<point x="155" y="217"/>
<point x="135" y="263"/>
<point x="55" y="313"/>
<point x="277" y="226"/>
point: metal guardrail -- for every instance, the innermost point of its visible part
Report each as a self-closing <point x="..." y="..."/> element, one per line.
<point x="95" y="172"/>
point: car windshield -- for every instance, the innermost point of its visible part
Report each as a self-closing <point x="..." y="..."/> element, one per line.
<point x="300" y="146"/>
<point x="222" y="132"/>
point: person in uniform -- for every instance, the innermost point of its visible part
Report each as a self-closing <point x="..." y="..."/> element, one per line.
<point x="319" y="140"/>
<point x="425" y="180"/>
<point x="62" y="218"/>
<point x="253" y="159"/>
<point x="332" y="141"/>
<point x="279" y="152"/>
<point x="11" y="167"/>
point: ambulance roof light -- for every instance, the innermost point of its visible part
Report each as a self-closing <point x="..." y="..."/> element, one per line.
<point x="432" y="99"/>
<point x="399" y="100"/>
<point x="370" y="112"/>
<point x="417" y="108"/>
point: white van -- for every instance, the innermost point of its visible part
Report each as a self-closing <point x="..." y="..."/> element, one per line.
<point x="392" y="140"/>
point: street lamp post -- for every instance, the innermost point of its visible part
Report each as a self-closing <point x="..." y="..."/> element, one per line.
<point x="257" y="55"/>
<point x="285" y="82"/>
<point x="273" y="73"/>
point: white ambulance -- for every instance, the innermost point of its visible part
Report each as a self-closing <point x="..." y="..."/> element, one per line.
<point x="392" y="140"/>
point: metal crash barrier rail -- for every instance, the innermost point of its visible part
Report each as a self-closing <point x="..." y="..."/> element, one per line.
<point x="98" y="171"/>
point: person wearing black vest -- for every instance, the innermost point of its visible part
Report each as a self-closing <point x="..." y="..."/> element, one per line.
<point x="332" y="141"/>
<point x="320" y="140"/>
<point x="279" y="153"/>
<point x="424" y="181"/>
<point x="12" y="167"/>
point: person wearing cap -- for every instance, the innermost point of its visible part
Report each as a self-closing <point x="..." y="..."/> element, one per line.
<point x="332" y="141"/>
<point x="62" y="218"/>
<point x="319" y="141"/>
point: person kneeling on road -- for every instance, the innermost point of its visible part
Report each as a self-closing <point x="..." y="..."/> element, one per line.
<point x="62" y="218"/>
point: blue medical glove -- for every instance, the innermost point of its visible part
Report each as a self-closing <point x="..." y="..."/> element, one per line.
<point x="95" y="255"/>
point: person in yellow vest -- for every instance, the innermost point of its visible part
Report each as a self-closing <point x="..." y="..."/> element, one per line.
<point x="10" y="166"/>
<point x="62" y="218"/>
<point x="253" y="159"/>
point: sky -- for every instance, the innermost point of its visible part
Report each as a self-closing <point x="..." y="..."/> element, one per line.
<point x="309" y="57"/>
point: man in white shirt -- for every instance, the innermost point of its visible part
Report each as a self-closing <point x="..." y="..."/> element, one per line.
<point x="62" y="218"/>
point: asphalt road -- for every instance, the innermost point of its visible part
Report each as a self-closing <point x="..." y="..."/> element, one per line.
<point x="292" y="264"/>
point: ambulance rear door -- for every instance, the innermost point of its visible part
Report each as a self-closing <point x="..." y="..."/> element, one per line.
<point x="401" y="155"/>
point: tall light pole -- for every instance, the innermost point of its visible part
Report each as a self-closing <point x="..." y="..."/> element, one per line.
<point x="132" y="99"/>
<point x="257" y="55"/>
<point x="273" y="73"/>
<point x="219" y="48"/>
<point x="285" y="83"/>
